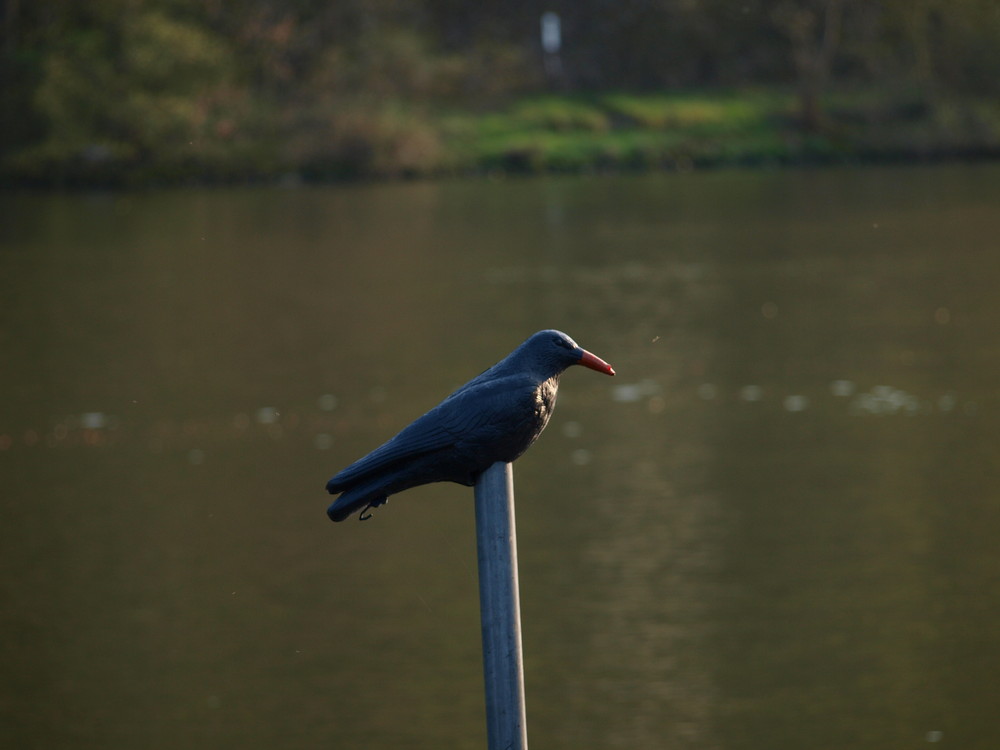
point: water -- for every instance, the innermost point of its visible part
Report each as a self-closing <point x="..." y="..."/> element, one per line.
<point x="774" y="529"/>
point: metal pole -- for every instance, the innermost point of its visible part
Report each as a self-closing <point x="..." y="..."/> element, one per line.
<point x="503" y="669"/>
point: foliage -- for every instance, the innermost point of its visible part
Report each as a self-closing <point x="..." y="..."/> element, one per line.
<point x="122" y="91"/>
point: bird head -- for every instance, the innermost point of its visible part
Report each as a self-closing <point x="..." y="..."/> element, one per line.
<point x="559" y="351"/>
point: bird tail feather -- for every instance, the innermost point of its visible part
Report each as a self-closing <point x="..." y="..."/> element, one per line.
<point x="362" y="497"/>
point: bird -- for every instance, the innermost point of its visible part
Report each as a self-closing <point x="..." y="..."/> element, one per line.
<point x="494" y="417"/>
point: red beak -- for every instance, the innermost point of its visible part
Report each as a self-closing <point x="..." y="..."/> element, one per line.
<point x="595" y="363"/>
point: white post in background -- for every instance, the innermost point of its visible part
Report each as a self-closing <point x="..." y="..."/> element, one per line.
<point x="551" y="46"/>
<point x="499" y="603"/>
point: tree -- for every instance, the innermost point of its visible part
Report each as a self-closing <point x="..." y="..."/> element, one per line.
<point x="813" y="29"/>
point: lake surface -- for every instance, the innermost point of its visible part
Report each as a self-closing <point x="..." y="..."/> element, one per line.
<point x="775" y="528"/>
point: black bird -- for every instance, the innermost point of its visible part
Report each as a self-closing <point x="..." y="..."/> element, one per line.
<point x="494" y="417"/>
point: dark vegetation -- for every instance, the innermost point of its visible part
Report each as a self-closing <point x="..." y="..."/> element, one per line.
<point x="124" y="92"/>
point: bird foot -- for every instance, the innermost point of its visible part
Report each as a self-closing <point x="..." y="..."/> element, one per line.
<point x="373" y="504"/>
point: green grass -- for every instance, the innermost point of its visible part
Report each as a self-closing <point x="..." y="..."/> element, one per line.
<point x="628" y="131"/>
<point x="552" y="133"/>
<point x="717" y="113"/>
<point x="705" y="129"/>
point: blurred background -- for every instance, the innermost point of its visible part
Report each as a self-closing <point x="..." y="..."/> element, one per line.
<point x="137" y="91"/>
<point x="242" y="244"/>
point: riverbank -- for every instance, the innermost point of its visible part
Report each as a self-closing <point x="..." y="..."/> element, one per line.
<point x="362" y="139"/>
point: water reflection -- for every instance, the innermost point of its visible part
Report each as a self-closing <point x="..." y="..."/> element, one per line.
<point x="100" y="428"/>
<point x="775" y="529"/>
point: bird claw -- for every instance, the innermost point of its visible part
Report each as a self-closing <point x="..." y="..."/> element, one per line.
<point x="372" y="504"/>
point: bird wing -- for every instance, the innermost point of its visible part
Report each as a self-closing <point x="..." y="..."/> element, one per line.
<point x="455" y="419"/>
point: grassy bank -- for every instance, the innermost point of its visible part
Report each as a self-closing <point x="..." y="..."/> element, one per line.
<point x="621" y="131"/>
<point x="551" y="133"/>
